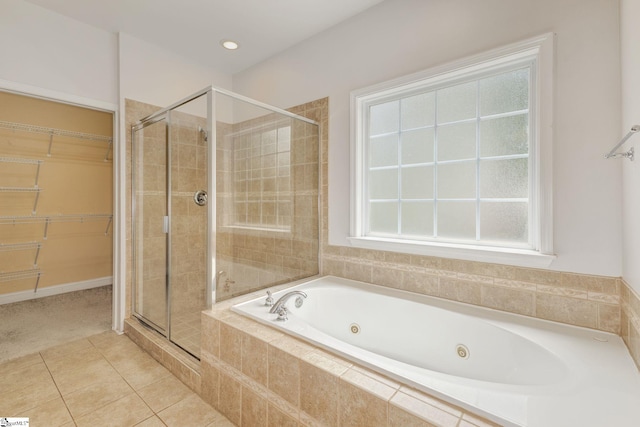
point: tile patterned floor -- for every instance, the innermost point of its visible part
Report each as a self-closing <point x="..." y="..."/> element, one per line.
<point x="104" y="380"/>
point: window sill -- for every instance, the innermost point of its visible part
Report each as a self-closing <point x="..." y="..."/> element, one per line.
<point x="509" y="256"/>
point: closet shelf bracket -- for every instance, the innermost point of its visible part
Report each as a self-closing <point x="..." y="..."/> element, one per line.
<point x="34" y="189"/>
<point x="12" y="247"/>
<point x="21" y="275"/>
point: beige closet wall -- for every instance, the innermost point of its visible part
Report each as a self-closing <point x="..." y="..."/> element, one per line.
<point x="74" y="180"/>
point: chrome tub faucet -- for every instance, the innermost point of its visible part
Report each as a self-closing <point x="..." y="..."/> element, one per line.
<point x="279" y="307"/>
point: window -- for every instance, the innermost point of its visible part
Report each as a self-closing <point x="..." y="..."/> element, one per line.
<point x="451" y="158"/>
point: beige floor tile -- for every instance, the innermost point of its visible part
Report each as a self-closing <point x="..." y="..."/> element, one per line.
<point x="18" y="401"/>
<point x="191" y="411"/>
<point x="104" y="336"/>
<point x="151" y="422"/>
<point x="144" y="374"/>
<point x="116" y="346"/>
<point x="127" y="356"/>
<point x="221" y="421"/>
<point x="128" y="411"/>
<point x="25" y="377"/>
<point x="10" y="366"/>
<point x="96" y="371"/>
<point x="53" y="413"/>
<point x="95" y="396"/>
<point x="66" y="349"/>
<point x="164" y="393"/>
<point x="75" y="361"/>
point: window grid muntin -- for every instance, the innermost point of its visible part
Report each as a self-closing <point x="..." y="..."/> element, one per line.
<point x="478" y="119"/>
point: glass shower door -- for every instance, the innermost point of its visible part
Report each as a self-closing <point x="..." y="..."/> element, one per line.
<point x="170" y="221"/>
<point x="150" y="222"/>
<point x="188" y="208"/>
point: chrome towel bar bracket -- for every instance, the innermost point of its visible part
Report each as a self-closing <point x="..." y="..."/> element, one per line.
<point x="629" y="154"/>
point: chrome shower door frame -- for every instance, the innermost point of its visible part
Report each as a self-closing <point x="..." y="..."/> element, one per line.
<point x="165" y="115"/>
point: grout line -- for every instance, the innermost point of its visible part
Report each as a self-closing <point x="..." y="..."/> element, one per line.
<point x="73" y="419"/>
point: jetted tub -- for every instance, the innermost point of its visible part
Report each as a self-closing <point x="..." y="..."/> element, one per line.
<point x="515" y="370"/>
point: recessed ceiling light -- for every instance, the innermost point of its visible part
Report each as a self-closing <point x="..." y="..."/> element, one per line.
<point x="229" y="44"/>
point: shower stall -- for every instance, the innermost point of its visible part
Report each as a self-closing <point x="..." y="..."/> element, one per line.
<point x="224" y="202"/>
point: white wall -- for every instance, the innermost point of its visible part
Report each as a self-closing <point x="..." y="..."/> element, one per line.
<point x="151" y="74"/>
<point x="630" y="39"/>
<point x="45" y="50"/>
<point x="399" y="37"/>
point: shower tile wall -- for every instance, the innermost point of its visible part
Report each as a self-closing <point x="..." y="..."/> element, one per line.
<point x="267" y="203"/>
<point x="188" y="220"/>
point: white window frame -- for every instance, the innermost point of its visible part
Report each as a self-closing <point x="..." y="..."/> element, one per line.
<point x="538" y="51"/>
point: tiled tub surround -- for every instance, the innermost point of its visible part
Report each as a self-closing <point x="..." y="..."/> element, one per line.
<point x="257" y="376"/>
<point x="521" y="370"/>
<point x="575" y="299"/>
<point x="630" y="322"/>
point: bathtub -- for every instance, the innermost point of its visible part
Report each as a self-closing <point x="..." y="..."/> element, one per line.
<point x="514" y="370"/>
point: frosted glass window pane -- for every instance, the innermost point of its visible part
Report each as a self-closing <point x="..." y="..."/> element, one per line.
<point x="417" y="146"/>
<point x="383" y="150"/>
<point x="457" y="181"/>
<point x="504" y="222"/>
<point x="457" y="220"/>
<point x="418" y="111"/>
<point x="504" y="136"/>
<point x="505" y="92"/>
<point x="417" y="182"/>
<point x="383" y="217"/>
<point x="417" y="218"/>
<point x="457" y="141"/>
<point x="504" y="178"/>
<point x="383" y="184"/>
<point x="384" y="118"/>
<point x="457" y="102"/>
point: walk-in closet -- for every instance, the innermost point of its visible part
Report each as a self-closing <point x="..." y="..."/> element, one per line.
<point x="56" y="212"/>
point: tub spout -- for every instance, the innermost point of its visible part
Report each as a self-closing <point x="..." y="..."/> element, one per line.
<point x="279" y="306"/>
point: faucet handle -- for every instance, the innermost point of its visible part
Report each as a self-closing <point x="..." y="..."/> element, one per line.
<point x="282" y="313"/>
<point x="269" y="301"/>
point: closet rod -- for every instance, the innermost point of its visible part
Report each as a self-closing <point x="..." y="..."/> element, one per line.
<point x="53" y="131"/>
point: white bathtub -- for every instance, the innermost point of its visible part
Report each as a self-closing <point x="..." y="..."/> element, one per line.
<point x="515" y="370"/>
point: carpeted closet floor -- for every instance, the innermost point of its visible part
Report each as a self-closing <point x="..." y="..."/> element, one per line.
<point x="31" y="326"/>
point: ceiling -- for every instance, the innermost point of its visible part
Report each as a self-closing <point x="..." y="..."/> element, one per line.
<point x="194" y="28"/>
